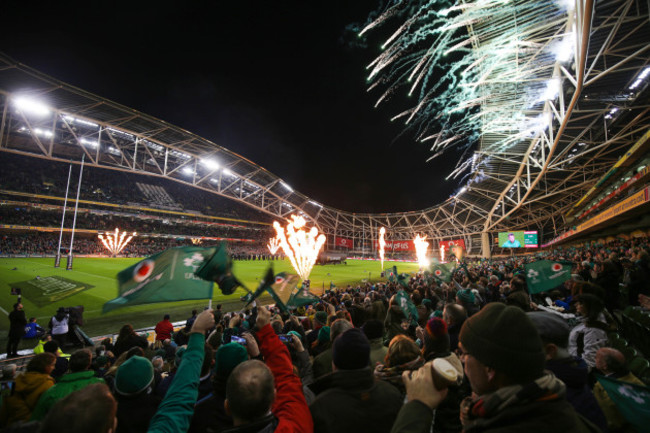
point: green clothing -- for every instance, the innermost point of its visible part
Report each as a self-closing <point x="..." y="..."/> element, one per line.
<point x="615" y="421"/>
<point x="175" y="412"/>
<point x="67" y="384"/>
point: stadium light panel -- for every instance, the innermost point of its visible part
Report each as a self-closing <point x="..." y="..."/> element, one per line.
<point x="229" y="173"/>
<point x="210" y="164"/>
<point x="31" y="106"/>
<point x="43" y="132"/>
<point x="87" y="142"/>
<point x="286" y="186"/>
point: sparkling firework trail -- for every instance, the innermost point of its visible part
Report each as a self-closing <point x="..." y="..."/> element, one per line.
<point x="382" y="246"/>
<point x="115" y="242"/>
<point x="478" y="68"/>
<point x="442" y="253"/>
<point x="421" y="246"/>
<point x="300" y="246"/>
<point x="273" y="245"/>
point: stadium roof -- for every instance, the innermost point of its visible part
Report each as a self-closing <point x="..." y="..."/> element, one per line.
<point x="600" y="110"/>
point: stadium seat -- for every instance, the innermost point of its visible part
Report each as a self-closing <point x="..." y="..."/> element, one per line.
<point x="639" y="366"/>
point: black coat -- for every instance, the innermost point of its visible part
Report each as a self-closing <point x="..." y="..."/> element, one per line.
<point x="354" y="402"/>
<point x="17" y="323"/>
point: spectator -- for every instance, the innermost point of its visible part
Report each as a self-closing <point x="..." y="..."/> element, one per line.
<point x="80" y="376"/>
<point x="91" y="409"/>
<point x="323" y="362"/>
<point x="267" y="396"/>
<point x="611" y="363"/>
<point x="353" y="400"/>
<point x="454" y="315"/>
<point x="164" y="329"/>
<point x="61" y="366"/>
<point x="126" y="339"/>
<point x="591" y="333"/>
<point x="132" y="388"/>
<point x="189" y="322"/>
<point x="28" y="389"/>
<point x="210" y="412"/>
<point x="17" y="324"/>
<point x="403" y="355"/>
<point x="503" y="357"/>
<point x="573" y="371"/>
<point x="374" y="330"/>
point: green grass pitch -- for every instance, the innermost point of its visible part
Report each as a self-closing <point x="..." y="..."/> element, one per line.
<point x="101" y="272"/>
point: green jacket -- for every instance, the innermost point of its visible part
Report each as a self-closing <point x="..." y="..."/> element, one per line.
<point x="67" y="384"/>
<point x="175" y="412"/>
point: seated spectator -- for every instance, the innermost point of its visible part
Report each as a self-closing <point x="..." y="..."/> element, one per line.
<point x="554" y="332"/>
<point x="591" y="333"/>
<point x="611" y="363"/>
<point x="61" y="366"/>
<point x="504" y="362"/>
<point x="164" y="329"/>
<point x="33" y="329"/>
<point x="91" y="409"/>
<point x="267" y="396"/>
<point x="353" y="401"/>
<point x="28" y="388"/>
<point x="80" y="376"/>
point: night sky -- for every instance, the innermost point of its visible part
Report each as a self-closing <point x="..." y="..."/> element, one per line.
<point x="279" y="82"/>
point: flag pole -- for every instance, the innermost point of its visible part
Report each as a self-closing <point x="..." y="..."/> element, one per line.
<point x="57" y="260"/>
<point x="74" y="219"/>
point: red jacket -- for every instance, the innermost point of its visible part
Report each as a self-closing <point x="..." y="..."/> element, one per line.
<point x="164" y="330"/>
<point x="290" y="406"/>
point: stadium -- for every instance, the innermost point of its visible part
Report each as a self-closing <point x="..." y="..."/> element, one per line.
<point x="545" y="240"/>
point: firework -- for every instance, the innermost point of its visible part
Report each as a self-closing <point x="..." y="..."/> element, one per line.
<point x="494" y="80"/>
<point x="442" y="253"/>
<point x="300" y="246"/>
<point x="273" y="245"/>
<point x="382" y="245"/>
<point x="421" y="246"/>
<point x="115" y="242"/>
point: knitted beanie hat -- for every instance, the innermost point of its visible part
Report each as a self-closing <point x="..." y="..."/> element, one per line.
<point x="324" y="334"/>
<point x="134" y="376"/>
<point x="436" y="337"/>
<point x="227" y="357"/>
<point x="466" y="296"/>
<point x="505" y="339"/>
<point x="351" y="350"/>
<point x="373" y="329"/>
<point x="321" y="317"/>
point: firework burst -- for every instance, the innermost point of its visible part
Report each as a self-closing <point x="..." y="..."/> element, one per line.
<point x="116" y="241"/>
<point x="300" y="246"/>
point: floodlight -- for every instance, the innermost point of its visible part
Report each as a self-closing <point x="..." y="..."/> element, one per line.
<point x="188" y="170"/>
<point x="31" y="106"/>
<point x="87" y="142"/>
<point x="286" y="186"/>
<point x="43" y="132"/>
<point x="210" y="164"/>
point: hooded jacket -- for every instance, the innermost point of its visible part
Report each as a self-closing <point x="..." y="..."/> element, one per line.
<point x="28" y="389"/>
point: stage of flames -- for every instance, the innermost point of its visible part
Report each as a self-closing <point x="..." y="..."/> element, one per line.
<point x="115" y="242"/>
<point x="300" y="246"/>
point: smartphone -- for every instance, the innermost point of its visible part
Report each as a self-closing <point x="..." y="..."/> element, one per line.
<point x="238" y="339"/>
<point x="285" y="338"/>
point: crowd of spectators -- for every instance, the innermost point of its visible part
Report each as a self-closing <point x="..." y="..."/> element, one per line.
<point x="143" y="224"/>
<point x="43" y="177"/>
<point x="356" y="361"/>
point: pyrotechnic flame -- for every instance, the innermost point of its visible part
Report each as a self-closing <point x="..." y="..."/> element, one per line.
<point x="382" y="245"/>
<point x="300" y="246"/>
<point x="273" y="245"/>
<point x="115" y="242"/>
<point x="442" y="253"/>
<point x="421" y="246"/>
